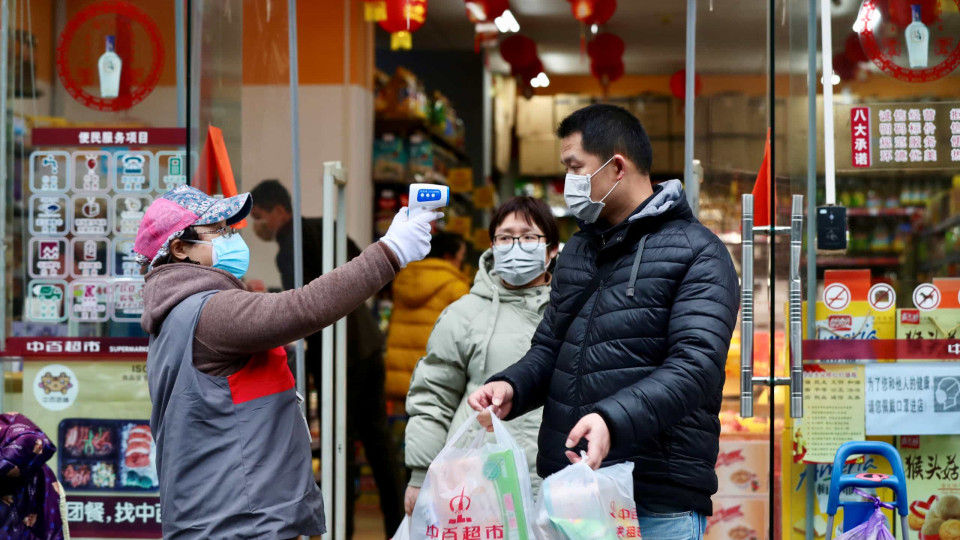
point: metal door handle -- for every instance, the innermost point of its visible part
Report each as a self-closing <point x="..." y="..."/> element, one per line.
<point x="746" y="311"/>
<point x="796" y="310"/>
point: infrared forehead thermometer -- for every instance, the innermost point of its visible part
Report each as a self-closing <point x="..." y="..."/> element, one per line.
<point x="427" y="197"/>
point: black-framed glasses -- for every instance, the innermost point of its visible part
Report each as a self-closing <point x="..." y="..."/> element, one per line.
<point x="528" y="242"/>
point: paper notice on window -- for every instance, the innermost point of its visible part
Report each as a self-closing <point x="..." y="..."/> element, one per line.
<point x="913" y="398"/>
<point x="833" y="410"/>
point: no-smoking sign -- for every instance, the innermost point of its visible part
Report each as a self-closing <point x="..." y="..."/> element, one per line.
<point x="882" y="297"/>
<point x="926" y="297"/>
<point x="836" y="296"/>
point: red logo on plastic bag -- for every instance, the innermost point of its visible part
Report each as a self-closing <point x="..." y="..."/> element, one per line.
<point x="459" y="505"/>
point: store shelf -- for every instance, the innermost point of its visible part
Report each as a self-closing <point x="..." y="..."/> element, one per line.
<point x="857" y="262"/>
<point x="883" y="212"/>
<point x="406" y="125"/>
<point x="942" y="226"/>
<point x="929" y="266"/>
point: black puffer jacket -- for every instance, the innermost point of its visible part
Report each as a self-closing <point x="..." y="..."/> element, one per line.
<point x="646" y="351"/>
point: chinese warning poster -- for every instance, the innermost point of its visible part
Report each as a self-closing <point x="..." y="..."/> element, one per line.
<point x="913" y="398"/>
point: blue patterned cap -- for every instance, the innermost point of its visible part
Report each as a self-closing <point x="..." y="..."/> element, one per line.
<point x="211" y="210"/>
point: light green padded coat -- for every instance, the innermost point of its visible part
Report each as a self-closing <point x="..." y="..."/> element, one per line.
<point x="476" y="337"/>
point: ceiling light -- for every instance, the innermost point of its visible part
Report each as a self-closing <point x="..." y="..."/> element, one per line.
<point x="594" y="28"/>
<point x="507" y="22"/>
<point x="543" y="80"/>
<point x="535" y="82"/>
<point x="476" y="11"/>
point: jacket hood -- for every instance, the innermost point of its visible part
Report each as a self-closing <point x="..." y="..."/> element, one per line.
<point x="168" y="285"/>
<point x="420" y="281"/>
<point x="487" y="281"/>
<point x="668" y="196"/>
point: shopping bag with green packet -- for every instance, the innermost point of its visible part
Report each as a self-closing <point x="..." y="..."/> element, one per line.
<point x="579" y="503"/>
<point x="477" y="488"/>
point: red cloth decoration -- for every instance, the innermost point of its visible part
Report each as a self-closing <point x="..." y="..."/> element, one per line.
<point x="606" y="46"/>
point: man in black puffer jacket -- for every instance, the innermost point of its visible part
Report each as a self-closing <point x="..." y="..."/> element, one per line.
<point x="630" y="354"/>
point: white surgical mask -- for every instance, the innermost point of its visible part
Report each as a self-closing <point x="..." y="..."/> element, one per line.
<point x="576" y="193"/>
<point x="518" y="267"/>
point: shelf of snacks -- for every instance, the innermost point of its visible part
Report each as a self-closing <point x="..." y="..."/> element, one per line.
<point x="415" y="133"/>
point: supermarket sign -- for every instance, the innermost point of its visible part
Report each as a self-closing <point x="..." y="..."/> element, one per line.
<point x="900" y="136"/>
<point x="75" y="347"/>
<point x="113" y="517"/>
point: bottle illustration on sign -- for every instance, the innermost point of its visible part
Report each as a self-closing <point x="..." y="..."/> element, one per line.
<point x="89" y="250"/>
<point x="174" y="176"/>
<point x="109" y="66"/>
<point x="132" y="174"/>
<point x="50" y="181"/>
<point x="918" y="39"/>
<point x="91" y="180"/>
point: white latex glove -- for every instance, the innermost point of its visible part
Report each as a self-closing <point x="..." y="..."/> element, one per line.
<point x="409" y="238"/>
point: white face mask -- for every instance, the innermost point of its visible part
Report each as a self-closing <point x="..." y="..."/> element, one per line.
<point x="518" y="267"/>
<point x="576" y="193"/>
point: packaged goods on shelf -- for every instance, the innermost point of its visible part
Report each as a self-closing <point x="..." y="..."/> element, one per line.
<point x="390" y="159"/>
<point x="421" y="152"/>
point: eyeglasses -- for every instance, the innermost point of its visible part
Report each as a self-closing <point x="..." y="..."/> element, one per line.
<point x="528" y="242"/>
<point x="225" y="232"/>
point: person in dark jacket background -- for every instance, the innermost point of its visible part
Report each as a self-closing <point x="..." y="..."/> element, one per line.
<point x="272" y="215"/>
<point x="628" y="361"/>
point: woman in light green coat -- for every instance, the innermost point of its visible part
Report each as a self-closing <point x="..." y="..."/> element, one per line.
<point x="481" y="334"/>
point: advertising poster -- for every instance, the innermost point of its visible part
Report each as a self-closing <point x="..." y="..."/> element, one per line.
<point x="97" y="413"/>
<point x="933" y="485"/>
<point x="834" y="401"/>
<point x="913" y="398"/>
<point x="797" y="476"/>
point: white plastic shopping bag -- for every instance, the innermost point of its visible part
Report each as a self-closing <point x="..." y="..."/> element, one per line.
<point x="579" y="503"/>
<point x="476" y="489"/>
<point x="403" y="531"/>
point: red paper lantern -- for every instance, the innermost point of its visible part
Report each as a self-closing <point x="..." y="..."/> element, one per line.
<point x="528" y="72"/>
<point x="606" y="46"/>
<point x="901" y="15"/>
<point x="491" y="9"/>
<point x="607" y="73"/>
<point x="852" y="49"/>
<point x="593" y="11"/>
<point x="678" y="84"/>
<point x="518" y="51"/>
<point x="403" y="18"/>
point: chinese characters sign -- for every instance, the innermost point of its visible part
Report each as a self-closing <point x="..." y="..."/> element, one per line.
<point x="109" y="136"/>
<point x="860" y="136"/>
<point x="835" y="404"/>
<point x="900" y="136"/>
<point x="114" y="517"/>
<point x="913" y="399"/>
<point x="932" y="467"/>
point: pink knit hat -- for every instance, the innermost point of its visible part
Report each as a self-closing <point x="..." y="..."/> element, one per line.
<point x="179" y="209"/>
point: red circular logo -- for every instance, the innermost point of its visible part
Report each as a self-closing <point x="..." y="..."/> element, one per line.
<point x="138" y="43"/>
<point x="884" y="46"/>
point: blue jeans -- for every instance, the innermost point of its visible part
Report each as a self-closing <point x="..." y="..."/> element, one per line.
<point x="681" y="526"/>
